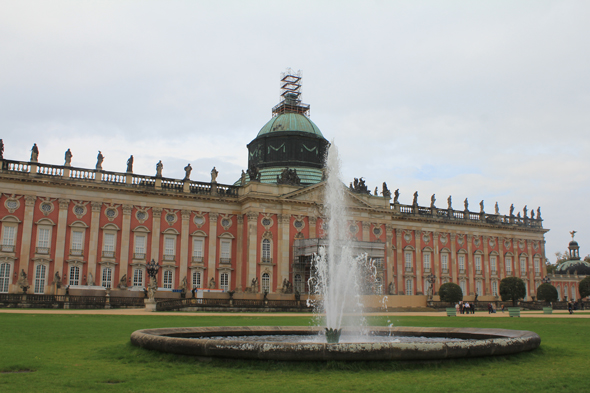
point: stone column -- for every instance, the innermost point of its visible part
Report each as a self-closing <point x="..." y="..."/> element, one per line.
<point x="156" y="221"/>
<point x="212" y="247"/>
<point x="418" y="241"/>
<point x="501" y="261"/>
<point x="125" y="240"/>
<point x="435" y="263"/>
<point x="25" y="249"/>
<point x="453" y="262"/>
<point x="252" y="245"/>
<point x="470" y="268"/>
<point x="312" y="226"/>
<point x="389" y="254"/>
<point x="60" y="245"/>
<point x="486" y="269"/>
<point x="240" y="252"/>
<point x="366" y="234"/>
<point x="184" y="246"/>
<point x="400" y="260"/>
<point x="283" y="252"/>
<point x="94" y="233"/>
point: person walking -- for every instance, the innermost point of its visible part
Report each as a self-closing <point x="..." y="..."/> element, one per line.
<point x="570" y="307"/>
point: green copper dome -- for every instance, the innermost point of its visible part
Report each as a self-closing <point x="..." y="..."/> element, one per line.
<point x="290" y="122"/>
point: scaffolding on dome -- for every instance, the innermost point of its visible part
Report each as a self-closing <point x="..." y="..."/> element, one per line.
<point x="291" y="94"/>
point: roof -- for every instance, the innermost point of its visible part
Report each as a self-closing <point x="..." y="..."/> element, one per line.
<point x="286" y="122"/>
<point x="306" y="175"/>
<point x="572" y="266"/>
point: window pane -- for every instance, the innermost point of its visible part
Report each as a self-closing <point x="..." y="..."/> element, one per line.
<point x="40" y="279"/>
<point x="77" y="240"/>
<point x="8" y="239"/>
<point x="197" y="247"/>
<point x="168" y="279"/>
<point x="43" y="240"/>
<point x="265" y="282"/>
<point x="169" y="246"/>
<point x="226" y="249"/>
<point x="140" y="244"/>
<point x="138" y="278"/>
<point x="109" y="242"/>
<point x="196" y="280"/>
<point x="74" y="275"/>
<point x="107" y="277"/>
<point x="4" y="277"/>
<point x="426" y="257"/>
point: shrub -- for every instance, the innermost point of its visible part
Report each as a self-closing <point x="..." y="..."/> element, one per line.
<point x="584" y="287"/>
<point x="512" y="288"/>
<point x="547" y="292"/>
<point x="450" y="292"/>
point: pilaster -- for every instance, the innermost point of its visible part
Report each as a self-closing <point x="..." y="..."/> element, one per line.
<point x="125" y="239"/>
<point x="366" y="234"/>
<point x="388" y="254"/>
<point x="470" y="266"/>
<point x="419" y="264"/>
<point x="94" y="233"/>
<point x="283" y="252"/>
<point x="156" y="221"/>
<point x="25" y="249"/>
<point x="252" y="245"/>
<point x="212" y="247"/>
<point x="184" y="246"/>
<point x="240" y="251"/>
<point x="453" y="261"/>
<point x="60" y="245"/>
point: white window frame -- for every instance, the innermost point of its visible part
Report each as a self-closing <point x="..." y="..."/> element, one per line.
<point x="426" y="260"/>
<point x="197" y="279"/>
<point x="265" y="280"/>
<point x="537" y="263"/>
<point x="44" y="234"/>
<point x="461" y="258"/>
<point x="77" y="243"/>
<point x="224" y="281"/>
<point x="409" y="286"/>
<point x="169" y="245"/>
<point x="225" y="249"/>
<point x="107" y="277"/>
<point x="140" y="243"/>
<point x="493" y="263"/>
<point x="5" y="274"/>
<point x="266" y="248"/>
<point x="508" y="264"/>
<point x="478" y="288"/>
<point x="523" y="266"/>
<point x="40" y="279"/>
<point x="477" y="263"/>
<point x="74" y="273"/>
<point x="495" y="288"/>
<point x="198" y="247"/>
<point x="444" y="261"/>
<point x="408" y="258"/>
<point x="138" y="272"/>
<point x="168" y="279"/>
<point x="9" y="232"/>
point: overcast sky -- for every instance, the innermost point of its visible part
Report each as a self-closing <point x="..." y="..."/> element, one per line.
<point x="474" y="99"/>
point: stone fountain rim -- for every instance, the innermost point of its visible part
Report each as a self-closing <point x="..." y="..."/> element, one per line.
<point x="489" y="342"/>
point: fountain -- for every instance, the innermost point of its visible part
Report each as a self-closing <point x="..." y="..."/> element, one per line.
<point x="341" y="333"/>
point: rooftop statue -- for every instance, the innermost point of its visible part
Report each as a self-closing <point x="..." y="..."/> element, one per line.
<point x="360" y="186"/>
<point x="385" y="191"/>
<point x="254" y="173"/>
<point x="159" y="167"/>
<point x="415" y="201"/>
<point x="396" y="196"/>
<point x="1" y="149"/>
<point x="481" y="207"/>
<point x="99" y="160"/>
<point x="214" y="174"/>
<point x="524" y="212"/>
<point x="243" y="178"/>
<point x="288" y="176"/>
<point x="466" y="204"/>
<point x="68" y="158"/>
<point x="538" y="213"/>
<point x="187" y="171"/>
<point x="34" y="153"/>
<point x="497" y="208"/>
<point x="432" y="200"/>
<point x="376" y="191"/>
<point x="532" y="214"/>
<point x="449" y="203"/>
<point x="130" y="164"/>
<point x="512" y="210"/>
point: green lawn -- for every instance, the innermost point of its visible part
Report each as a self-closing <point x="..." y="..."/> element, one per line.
<point x="75" y="353"/>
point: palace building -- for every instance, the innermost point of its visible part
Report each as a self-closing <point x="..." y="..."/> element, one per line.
<point x="90" y="229"/>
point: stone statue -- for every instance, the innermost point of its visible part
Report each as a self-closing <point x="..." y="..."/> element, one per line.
<point x="429" y="291"/>
<point x="512" y="210"/>
<point x="525" y="212"/>
<point x="532" y="214"/>
<point x="376" y="191"/>
<point x="159" y="167"/>
<point x="390" y="288"/>
<point x="538" y="213"/>
<point x="90" y="280"/>
<point x="214" y="174"/>
<point x="187" y="171"/>
<point x="34" y="153"/>
<point x="99" y="160"/>
<point x="183" y="283"/>
<point x="518" y="215"/>
<point x="466" y="204"/>
<point x="359" y="185"/>
<point x="152" y="288"/>
<point x="449" y="203"/>
<point x="289" y="176"/>
<point x="432" y="200"/>
<point x="254" y="173"/>
<point x="212" y="283"/>
<point x="497" y="208"/>
<point x="23" y="282"/>
<point x="68" y="158"/>
<point x="396" y="196"/>
<point x="123" y="282"/>
<point x="573" y="233"/>
<point x="254" y="285"/>
<point x="415" y="201"/>
<point x="57" y="280"/>
<point x="481" y="207"/>
<point x="130" y="164"/>
<point x="243" y="178"/>
<point x="385" y="191"/>
<point x="1" y="149"/>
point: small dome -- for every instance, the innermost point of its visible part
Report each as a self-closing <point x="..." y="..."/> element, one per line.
<point x="290" y="122"/>
<point x="572" y="266"/>
<point x="574" y="243"/>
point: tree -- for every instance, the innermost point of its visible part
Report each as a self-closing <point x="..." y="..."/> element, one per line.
<point x="584" y="287"/>
<point x="550" y="268"/>
<point x="450" y="292"/>
<point x="512" y="288"/>
<point x="547" y="292"/>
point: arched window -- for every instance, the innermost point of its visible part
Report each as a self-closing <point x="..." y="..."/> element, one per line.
<point x="224" y="281"/>
<point x="40" y="278"/>
<point x="409" y="289"/>
<point x="74" y="275"/>
<point x="265" y="282"/>
<point x="558" y="292"/>
<point x="196" y="279"/>
<point x="298" y="283"/>
<point x="168" y="279"/>
<point x="4" y="277"/>
<point x="107" y="277"/>
<point x="266" y="255"/>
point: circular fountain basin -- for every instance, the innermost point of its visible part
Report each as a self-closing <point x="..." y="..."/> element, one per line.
<point x="224" y="342"/>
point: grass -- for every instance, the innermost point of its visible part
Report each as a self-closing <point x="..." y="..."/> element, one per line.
<point x="74" y="353"/>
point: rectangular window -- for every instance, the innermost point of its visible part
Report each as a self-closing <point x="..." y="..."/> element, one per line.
<point x="4" y="277"/>
<point x="226" y="249"/>
<point x="495" y="288"/>
<point x="43" y="240"/>
<point x="426" y="260"/>
<point x="445" y="262"/>
<point x="74" y="275"/>
<point x="508" y="265"/>
<point x="169" y="245"/>
<point x="109" y="242"/>
<point x="198" y="247"/>
<point x="537" y="266"/>
<point x="224" y="281"/>
<point x="408" y="256"/>
<point x="478" y="288"/>
<point x="138" y="278"/>
<point x="140" y="241"/>
<point x="8" y="239"/>
<point x="462" y="263"/>
<point x="107" y="276"/>
<point x="168" y="279"/>
<point x="478" y="263"/>
<point x="462" y="284"/>
<point x="40" y="278"/>
<point x="196" y="279"/>
<point x="409" y="289"/>
<point x="523" y="266"/>
<point x="493" y="265"/>
<point x="77" y="240"/>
